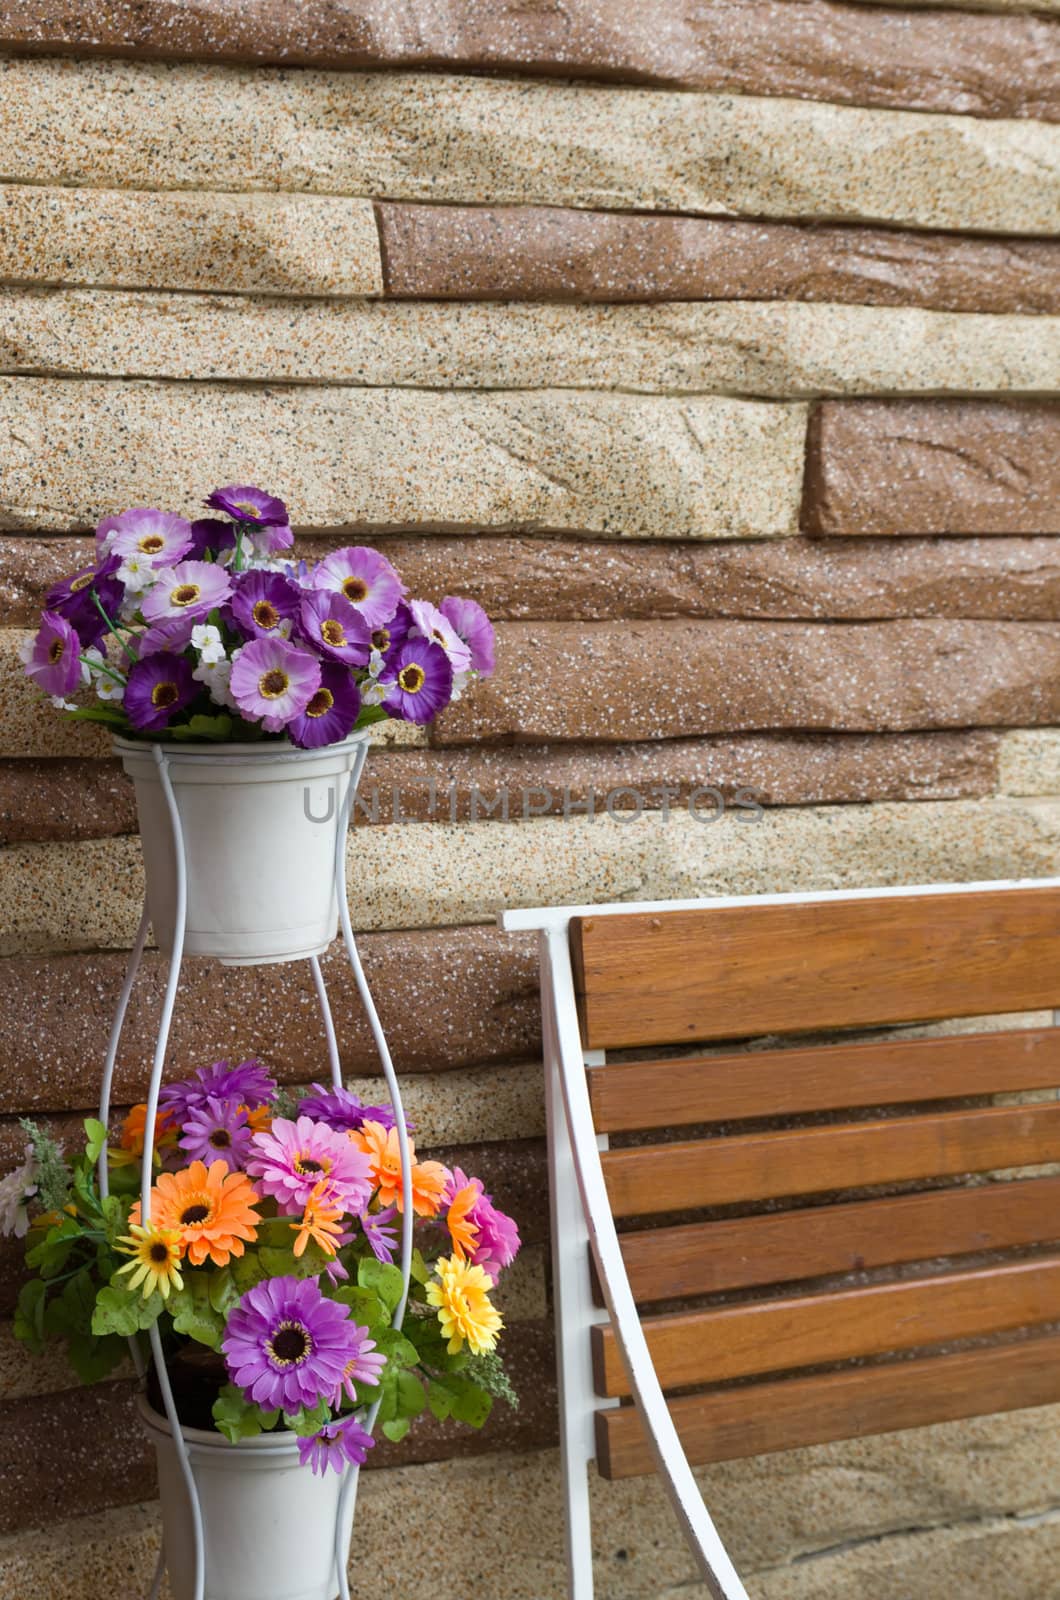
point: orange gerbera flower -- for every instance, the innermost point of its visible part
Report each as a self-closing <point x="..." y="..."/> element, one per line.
<point x="321" y="1222"/>
<point x="131" y="1139"/>
<point x="211" y="1210"/>
<point x="381" y="1147"/>
<point x="462" y="1231"/>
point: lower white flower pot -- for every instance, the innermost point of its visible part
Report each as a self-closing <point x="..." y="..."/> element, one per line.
<point x="260" y="823"/>
<point x="268" y="1522"/>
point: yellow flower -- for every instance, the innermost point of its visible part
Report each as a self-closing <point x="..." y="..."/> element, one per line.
<point x="464" y="1308"/>
<point x="156" y="1259"/>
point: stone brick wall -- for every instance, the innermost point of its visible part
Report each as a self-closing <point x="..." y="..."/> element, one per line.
<point x="710" y="346"/>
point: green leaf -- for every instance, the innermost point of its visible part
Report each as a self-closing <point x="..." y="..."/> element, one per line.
<point x="410" y="1395"/>
<point x="439" y="1400"/>
<point x="467" y="1402"/>
<point x="95" y="1359"/>
<point x="395" y="1428"/>
<point x="401" y="1352"/>
<point x="29" y="1314"/>
<point x="96" y="1136"/>
<point x="366" y="1308"/>
<point x="109" y="715"/>
<point x="50" y="1256"/>
<point x="368" y="715"/>
<point x="115" y="1218"/>
<point x="419" y="1270"/>
<point x="246" y="1271"/>
<point x="307" y="1422"/>
<point x="222" y="1290"/>
<point x="385" y="1279"/>
<point x="239" y="1418"/>
<point x="124" y="1311"/>
<point x="215" y="729"/>
<point x="193" y="1314"/>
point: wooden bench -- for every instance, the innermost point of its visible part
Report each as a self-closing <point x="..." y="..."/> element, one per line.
<point x="822" y="1206"/>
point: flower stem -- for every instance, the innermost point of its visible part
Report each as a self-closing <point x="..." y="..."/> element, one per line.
<point x="100" y="666"/>
<point x="110" y="626"/>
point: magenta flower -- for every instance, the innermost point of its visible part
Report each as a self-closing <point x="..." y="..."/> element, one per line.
<point x="262" y="602"/>
<point x="172" y="633"/>
<point x="332" y="711"/>
<point x="73" y="599"/>
<point x="248" y="1085"/>
<point x="498" y="1237"/>
<point x="159" y="686"/>
<point x="271" y="540"/>
<point x="390" y="635"/>
<point x="190" y="589"/>
<point x="292" y="1158"/>
<point x="417" y="680"/>
<point x="286" y="1346"/>
<point x="365" y="1366"/>
<point x="274" y="681"/>
<point x="218" y="1130"/>
<point x="381" y="1232"/>
<point x="53" y="661"/>
<point x="336" y="1445"/>
<point x="209" y="535"/>
<point x="245" y="503"/>
<point x="159" y="536"/>
<point x="335" y="628"/>
<point x="367" y="580"/>
<point x="342" y="1110"/>
<point x="471" y="624"/>
<point x="429" y="623"/>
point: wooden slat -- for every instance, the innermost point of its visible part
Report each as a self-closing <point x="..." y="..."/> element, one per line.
<point x="747" y="1252"/>
<point x="710" y="1346"/>
<point x="779" y="1083"/>
<point x="760" y="1417"/>
<point x="728" y="1171"/>
<point x="660" y="979"/>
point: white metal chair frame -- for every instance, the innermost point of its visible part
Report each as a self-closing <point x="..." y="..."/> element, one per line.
<point x="582" y="1222"/>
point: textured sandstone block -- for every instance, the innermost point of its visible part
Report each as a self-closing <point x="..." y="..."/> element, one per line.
<point x="494" y="142"/>
<point x="352" y="460"/>
<point x="551" y="253"/>
<point x="521" y="579"/>
<point x="1029" y="762"/>
<point x="745" y="348"/>
<point x="933" y="467"/>
<point x="822" y="51"/>
<point x="238" y="244"/>
<point x="602" y="680"/>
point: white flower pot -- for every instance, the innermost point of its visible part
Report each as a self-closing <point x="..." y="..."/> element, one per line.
<point x="268" y="1522"/>
<point x="260" y="824"/>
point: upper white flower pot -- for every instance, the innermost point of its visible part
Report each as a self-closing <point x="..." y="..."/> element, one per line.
<point x="268" y="1522"/>
<point x="260" y="823"/>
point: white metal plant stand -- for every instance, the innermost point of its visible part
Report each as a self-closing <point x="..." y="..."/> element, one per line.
<point x="357" y="755"/>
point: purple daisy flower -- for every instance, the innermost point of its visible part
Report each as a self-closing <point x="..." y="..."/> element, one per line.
<point x="159" y="686"/>
<point x="471" y="624"/>
<point x="336" y="1445"/>
<point x="244" y="503"/>
<point x="389" y="635"/>
<point x="332" y="711"/>
<point x="367" y="580"/>
<point x="172" y="633"/>
<point x="292" y="1158"/>
<point x="273" y="681"/>
<point x="429" y="623"/>
<point x="286" y="1346"/>
<point x="417" y="681"/>
<point x="335" y="627"/>
<point x="73" y="600"/>
<point x="53" y="661"/>
<point x="364" y="1366"/>
<point x="262" y="601"/>
<point x="269" y="541"/>
<point x="161" y="537"/>
<point x="190" y="589"/>
<point x="248" y="1085"/>
<point x="210" y="535"/>
<point x="342" y="1110"/>
<point x="381" y="1232"/>
<point x="218" y="1130"/>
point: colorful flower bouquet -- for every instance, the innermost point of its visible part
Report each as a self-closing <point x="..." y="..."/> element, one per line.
<point x="205" y="631"/>
<point x="268" y="1264"/>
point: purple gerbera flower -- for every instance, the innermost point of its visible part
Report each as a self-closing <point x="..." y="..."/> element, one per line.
<point x="381" y="1232"/>
<point x="53" y="661"/>
<point x="365" y="1366"/>
<point x="335" y="627"/>
<point x="273" y="680"/>
<point x="367" y="580"/>
<point x="244" y="503"/>
<point x="73" y="599"/>
<point x="159" y="686"/>
<point x="286" y="1346"/>
<point x="190" y="589"/>
<point x="342" y="1110"/>
<point x="218" y="1130"/>
<point x="159" y="537"/>
<point x="210" y="535"/>
<point x="332" y="711"/>
<point x="471" y="624"/>
<point x="262" y="602"/>
<point x="337" y="1444"/>
<point x="429" y="623"/>
<point x="417" y="681"/>
<point x="293" y="1157"/>
<point x="248" y="1085"/>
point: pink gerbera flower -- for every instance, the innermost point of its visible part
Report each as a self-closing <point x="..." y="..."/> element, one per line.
<point x="293" y="1157"/>
<point x="367" y="580"/>
<point x="190" y="589"/>
<point x="364" y="1366"/>
<point x="273" y="680"/>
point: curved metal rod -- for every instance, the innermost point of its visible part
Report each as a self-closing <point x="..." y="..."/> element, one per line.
<point x="329" y="1022"/>
<point x="348" y="1487"/>
<point x="180" y="920"/>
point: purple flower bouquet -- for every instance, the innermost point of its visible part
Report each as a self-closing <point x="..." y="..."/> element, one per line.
<point x="208" y="631"/>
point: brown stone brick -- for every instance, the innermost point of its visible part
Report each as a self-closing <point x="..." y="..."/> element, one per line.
<point x="932" y="466"/>
<point x="82" y="1449"/>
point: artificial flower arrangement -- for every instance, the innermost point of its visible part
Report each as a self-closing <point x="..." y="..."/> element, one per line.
<point x="268" y="1263"/>
<point x="203" y="630"/>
